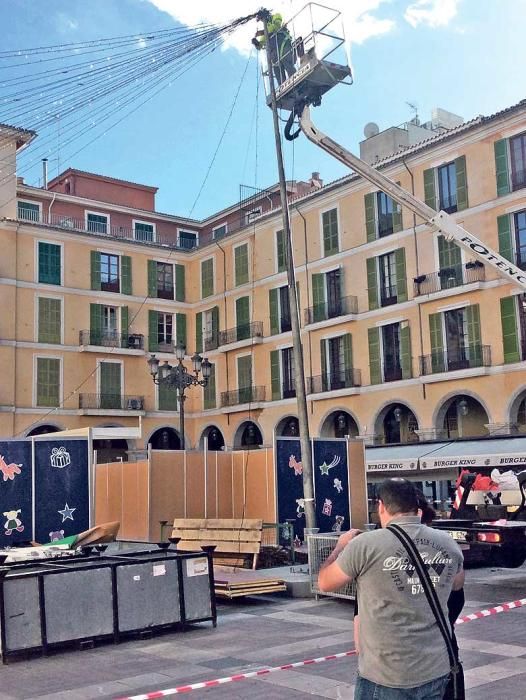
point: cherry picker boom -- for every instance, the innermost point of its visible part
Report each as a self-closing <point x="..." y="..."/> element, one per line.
<point x="314" y="77"/>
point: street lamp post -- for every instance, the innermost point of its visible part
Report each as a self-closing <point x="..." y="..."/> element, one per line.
<point x="178" y="377"/>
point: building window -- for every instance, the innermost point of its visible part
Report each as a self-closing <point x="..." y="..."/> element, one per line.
<point x="110" y="378"/>
<point x="330" y="232"/>
<point x="143" y="231"/>
<point x="241" y="264"/>
<point x="48" y="381"/>
<point x="49" y="263"/>
<point x="109" y="272"/>
<point x="327" y="296"/>
<point x="49" y="320"/>
<point x="388" y="283"/>
<point x="287" y="373"/>
<point x="187" y="239"/>
<point x="391" y="352"/>
<point x="334" y="294"/>
<point x="518" y="161"/>
<point x="110" y="324"/>
<point x="447" y="187"/>
<point x="386" y="208"/>
<point x="520" y="237"/>
<point x="209" y="390"/>
<point x="97" y="223"/>
<point x="28" y="211"/>
<point x="207" y="278"/>
<point x="165" y="281"/>
<point x="456" y="332"/>
<point x="219" y="232"/>
<point x="165" y="330"/>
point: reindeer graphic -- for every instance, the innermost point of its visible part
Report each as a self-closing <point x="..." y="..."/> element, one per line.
<point x="9" y="470"/>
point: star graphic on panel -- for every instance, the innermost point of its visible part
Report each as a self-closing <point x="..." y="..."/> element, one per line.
<point x="324" y="469"/>
<point x="67" y="513"/>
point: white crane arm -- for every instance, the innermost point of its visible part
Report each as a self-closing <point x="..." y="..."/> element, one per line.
<point x="441" y="222"/>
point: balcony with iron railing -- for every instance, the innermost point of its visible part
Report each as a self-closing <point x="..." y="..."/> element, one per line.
<point x="252" y="332"/>
<point x="449" y="277"/>
<point x="332" y="381"/>
<point x="237" y="397"/>
<point x="210" y="342"/>
<point x="110" y="402"/>
<point x="112" y="339"/>
<point x="468" y="357"/>
<point x="338" y="307"/>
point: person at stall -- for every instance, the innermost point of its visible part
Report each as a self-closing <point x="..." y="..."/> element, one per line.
<point x="280" y="45"/>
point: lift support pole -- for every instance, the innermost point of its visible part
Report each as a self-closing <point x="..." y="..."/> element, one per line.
<point x="299" y="374"/>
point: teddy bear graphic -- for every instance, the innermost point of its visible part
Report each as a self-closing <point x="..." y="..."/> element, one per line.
<point x="13" y="522"/>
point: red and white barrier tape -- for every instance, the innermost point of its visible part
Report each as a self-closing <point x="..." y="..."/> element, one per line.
<point x="504" y="607"/>
<point x="491" y="611"/>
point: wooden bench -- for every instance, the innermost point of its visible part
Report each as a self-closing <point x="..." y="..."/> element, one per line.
<point x="234" y="538"/>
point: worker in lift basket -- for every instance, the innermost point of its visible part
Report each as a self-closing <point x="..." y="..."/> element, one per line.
<point x="281" y="54"/>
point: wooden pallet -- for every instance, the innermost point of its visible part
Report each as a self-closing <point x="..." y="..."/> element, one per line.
<point x="241" y="582"/>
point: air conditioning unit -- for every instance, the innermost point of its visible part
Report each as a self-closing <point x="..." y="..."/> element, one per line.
<point x="134" y="404"/>
<point x="135" y="342"/>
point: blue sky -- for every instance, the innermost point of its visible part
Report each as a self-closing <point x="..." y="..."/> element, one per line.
<point x="463" y="55"/>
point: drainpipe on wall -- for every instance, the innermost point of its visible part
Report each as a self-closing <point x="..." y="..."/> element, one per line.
<point x="415" y="240"/>
<point x="13" y="429"/>
<point x="226" y="318"/>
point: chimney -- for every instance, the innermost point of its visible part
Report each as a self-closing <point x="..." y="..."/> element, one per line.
<point x="44" y="173"/>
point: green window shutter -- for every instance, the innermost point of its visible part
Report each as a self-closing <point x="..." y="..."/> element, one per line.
<point x="207" y="278"/>
<point x="179" y="283"/>
<point x="430" y="196"/>
<point x="153" y="333"/>
<point x="273" y="311"/>
<point x="372" y="283"/>
<point x="241" y="264"/>
<point x="244" y="378"/>
<point x="462" y="183"/>
<point x="199" y="332"/>
<point x="401" y="282"/>
<point x="510" y="337"/>
<point x="180" y="328"/>
<point x="450" y="260"/>
<point x="375" y="365"/>
<point x="48" y="381"/>
<point x="167" y="398"/>
<point x="398" y="224"/>
<point x="318" y="297"/>
<point x="49" y="263"/>
<point x="330" y="232"/>
<point x="275" y="375"/>
<point x="215" y="326"/>
<point x="505" y="237"/>
<point x="209" y="391"/>
<point x="347" y="351"/>
<point x="437" y="343"/>
<point x="370" y="216"/>
<point x="502" y="167"/>
<point x="95" y="270"/>
<point x="49" y="320"/>
<point x="281" y="251"/>
<point x="474" y="337"/>
<point x="152" y="279"/>
<point x="243" y="318"/>
<point x="111" y="386"/>
<point x="125" y="323"/>
<point x="126" y="274"/>
<point x="405" y="352"/>
<point x="95" y="314"/>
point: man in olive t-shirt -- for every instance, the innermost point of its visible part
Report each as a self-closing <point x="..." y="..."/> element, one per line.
<point x="402" y="652"/>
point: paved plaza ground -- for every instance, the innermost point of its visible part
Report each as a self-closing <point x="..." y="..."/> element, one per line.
<point x="271" y="631"/>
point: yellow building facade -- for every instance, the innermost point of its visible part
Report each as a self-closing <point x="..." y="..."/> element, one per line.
<point x="405" y="336"/>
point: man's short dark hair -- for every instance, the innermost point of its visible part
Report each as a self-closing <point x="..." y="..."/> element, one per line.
<point x="398" y="496"/>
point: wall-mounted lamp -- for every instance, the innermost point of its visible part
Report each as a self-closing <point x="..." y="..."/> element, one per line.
<point x="397" y="414"/>
<point x="463" y="407"/>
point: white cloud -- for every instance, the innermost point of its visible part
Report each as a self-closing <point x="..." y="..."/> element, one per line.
<point x="359" y="21"/>
<point x="66" y="24"/>
<point x="433" y="13"/>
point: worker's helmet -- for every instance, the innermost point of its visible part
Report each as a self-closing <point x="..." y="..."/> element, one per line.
<point x="277" y="18"/>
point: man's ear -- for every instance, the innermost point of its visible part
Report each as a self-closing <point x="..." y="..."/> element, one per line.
<point x="381" y="507"/>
